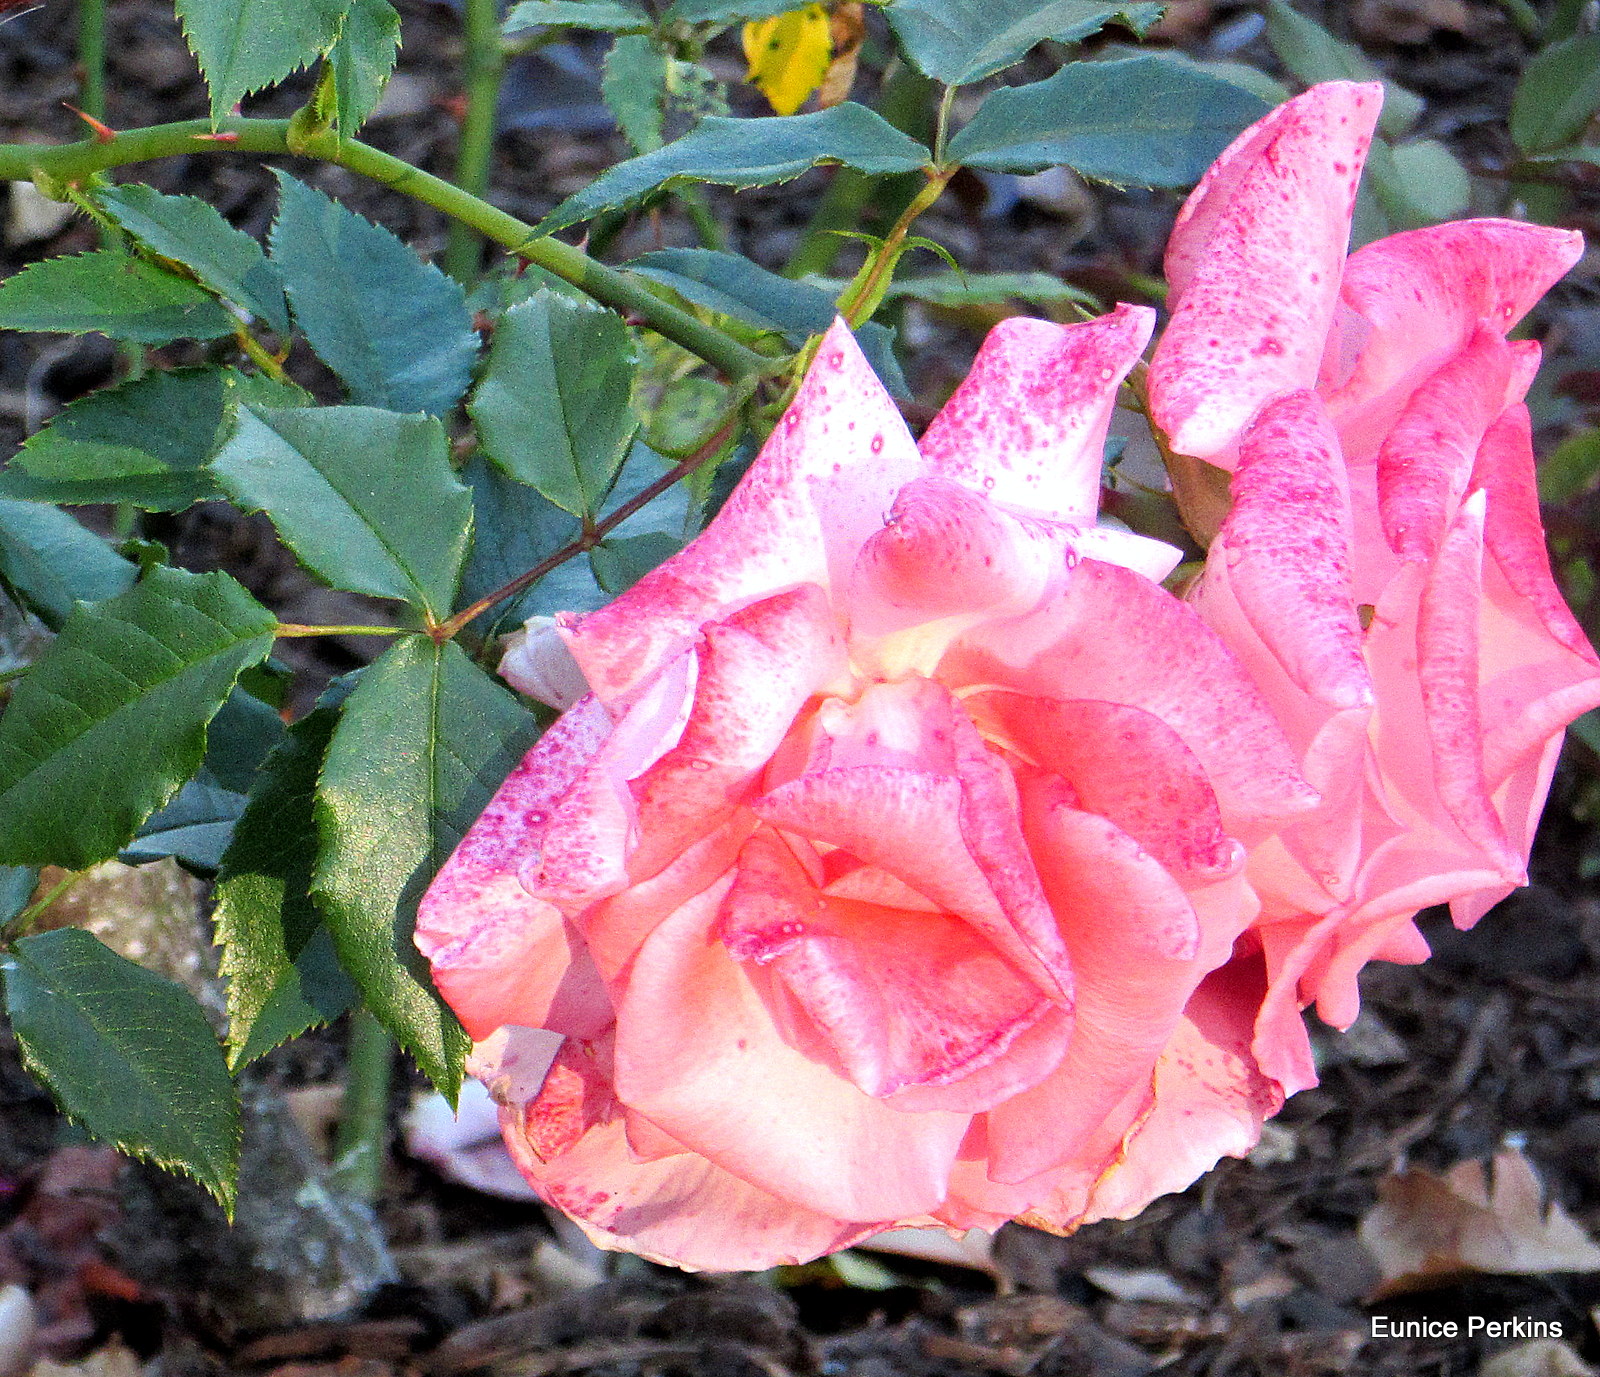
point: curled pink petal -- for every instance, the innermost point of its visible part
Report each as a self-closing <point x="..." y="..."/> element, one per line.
<point x="1427" y="457"/>
<point x="818" y="489"/>
<point x="1028" y="424"/>
<point x="1287" y="547"/>
<point x="1254" y="264"/>
<point x="1413" y="300"/>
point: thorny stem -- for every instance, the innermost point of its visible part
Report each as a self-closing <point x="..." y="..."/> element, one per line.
<point x="596" y="531"/>
<point x="859" y="303"/>
<point x="485" y="67"/>
<point x="258" y="355"/>
<point x="56" y="166"/>
<point x="363" y="1134"/>
<point x="92" y="56"/>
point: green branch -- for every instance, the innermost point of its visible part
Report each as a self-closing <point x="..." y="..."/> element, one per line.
<point x="54" y="167"/>
<point x="485" y="66"/>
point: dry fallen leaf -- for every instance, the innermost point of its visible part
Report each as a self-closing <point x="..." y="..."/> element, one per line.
<point x="1539" y="1358"/>
<point x="1426" y="1228"/>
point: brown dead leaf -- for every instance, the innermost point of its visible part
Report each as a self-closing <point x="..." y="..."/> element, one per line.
<point x="1538" y="1358"/>
<point x="847" y="26"/>
<point x="1427" y="1228"/>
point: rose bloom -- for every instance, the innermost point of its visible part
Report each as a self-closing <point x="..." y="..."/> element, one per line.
<point x="1382" y="571"/>
<point x="893" y="870"/>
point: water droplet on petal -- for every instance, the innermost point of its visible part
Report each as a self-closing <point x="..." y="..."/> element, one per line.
<point x="836" y="359"/>
<point x="877" y="444"/>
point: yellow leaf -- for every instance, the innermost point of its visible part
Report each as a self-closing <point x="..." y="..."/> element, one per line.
<point x="788" y="55"/>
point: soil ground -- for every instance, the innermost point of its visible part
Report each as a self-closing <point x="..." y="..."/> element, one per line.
<point x="1255" y="1272"/>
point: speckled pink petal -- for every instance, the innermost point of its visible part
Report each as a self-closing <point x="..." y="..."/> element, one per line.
<point x="1134" y="937"/>
<point x="1447" y="663"/>
<point x="820" y="486"/>
<point x="1286" y="544"/>
<point x="945" y="551"/>
<point x="1427" y="458"/>
<point x="1211" y="1098"/>
<point x="1254" y="264"/>
<point x="500" y="955"/>
<point x="1126" y="765"/>
<point x="1513" y="531"/>
<point x="1027" y="426"/>
<point x="1414" y="299"/>
<point x="904" y="999"/>
<point x="681" y="1210"/>
<point x="700" y="1054"/>
<point x="758" y="667"/>
<point x="1113" y="636"/>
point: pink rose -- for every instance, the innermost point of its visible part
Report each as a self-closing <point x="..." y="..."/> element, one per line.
<point x="1382" y="572"/>
<point x="892" y="871"/>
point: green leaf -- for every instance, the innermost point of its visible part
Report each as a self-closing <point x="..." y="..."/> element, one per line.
<point x="425" y="740"/>
<point x="513" y="528"/>
<point x="243" y="45"/>
<point x="1571" y="470"/>
<point x="195" y="827"/>
<point x="144" y="442"/>
<point x="394" y="328"/>
<point x="958" y="41"/>
<point x="634" y="86"/>
<point x="187" y="230"/>
<point x="126" y="1053"/>
<point x="362" y="60"/>
<point x="277" y="956"/>
<point x="365" y="498"/>
<point x="1313" y="54"/>
<point x="1419" y="183"/>
<point x="610" y="16"/>
<point x="750" y="152"/>
<point x="877" y="343"/>
<point x="242" y="735"/>
<point x="955" y="290"/>
<point x="726" y="11"/>
<point x="112" y="293"/>
<point x="51" y="561"/>
<point x="552" y="408"/>
<point x="112" y="717"/>
<point x="17" y="884"/>
<point x="619" y="564"/>
<point x="1142" y="121"/>
<point x="734" y="286"/>
<point x="1558" y="94"/>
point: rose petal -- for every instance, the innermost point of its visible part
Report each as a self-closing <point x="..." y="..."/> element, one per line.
<point x="757" y="668"/>
<point x="817" y="491"/>
<point x="1286" y="544"/>
<point x="1210" y="1097"/>
<point x="1125" y="765"/>
<point x="1513" y="531"/>
<point x="1414" y="300"/>
<point x="680" y="1210"/>
<point x="904" y="999"/>
<point x="500" y="955"/>
<point x="1117" y="638"/>
<point x="1447" y="662"/>
<point x="1134" y="937"/>
<point x="700" y="1054"/>
<point x="1027" y="425"/>
<point x="1254" y="264"/>
<point x="1427" y="458"/>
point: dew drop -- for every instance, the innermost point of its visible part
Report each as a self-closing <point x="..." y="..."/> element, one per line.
<point x="836" y="359"/>
<point x="537" y="818"/>
<point x="877" y="444"/>
<point x="988" y="484"/>
<point x="699" y="764"/>
<point x="1106" y="375"/>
